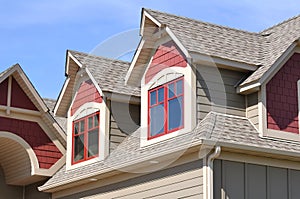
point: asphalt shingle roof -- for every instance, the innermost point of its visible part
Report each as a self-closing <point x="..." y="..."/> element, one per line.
<point x="60" y="120"/>
<point x="215" y="127"/>
<point x="109" y="73"/>
<point x="261" y="49"/>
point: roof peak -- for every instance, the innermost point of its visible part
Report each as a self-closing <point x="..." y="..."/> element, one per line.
<point x="203" y="22"/>
<point x="97" y="56"/>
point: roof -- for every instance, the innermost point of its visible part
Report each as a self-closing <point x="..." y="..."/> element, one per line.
<point x="60" y="120"/>
<point x="109" y="73"/>
<point x="215" y="127"/>
<point x="279" y="38"/>
<point x="260" y="49"/>
<point x="213" y="40"/>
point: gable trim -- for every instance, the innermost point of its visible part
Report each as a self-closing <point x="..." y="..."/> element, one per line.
<point x="293" y="48"/>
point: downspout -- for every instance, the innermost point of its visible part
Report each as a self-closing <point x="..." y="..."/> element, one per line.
<point x="209" y="168"/>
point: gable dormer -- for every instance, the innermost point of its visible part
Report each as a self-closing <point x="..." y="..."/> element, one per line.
<point x="97" y="106"/>
<point x="280" y="99"/>
<point x="31" y="141"/>
<point x="184" y="77"/>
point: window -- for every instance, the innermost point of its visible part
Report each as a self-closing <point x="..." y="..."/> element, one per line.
<point x="165" y="108"/>
<point x="85" y="138"/>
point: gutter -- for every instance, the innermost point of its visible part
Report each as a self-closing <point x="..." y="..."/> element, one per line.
<point x="209" y="172"/>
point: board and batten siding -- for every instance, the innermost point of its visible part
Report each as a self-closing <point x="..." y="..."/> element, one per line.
<point x="183" y="181"/>
<point x="237" y="180"/>
<point x="252" y="108"/>
<point x="216" y="91"/>
<point x="124" y="120"/>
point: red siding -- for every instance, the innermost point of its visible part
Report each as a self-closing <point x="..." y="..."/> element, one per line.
<point x="86" y="93"/>
<point x="3" y="91"/>
<point x="166" y="55"/>
<point x="45" y="150"/>
<point x="19" y="99"/>
<point x="282" y="97"/>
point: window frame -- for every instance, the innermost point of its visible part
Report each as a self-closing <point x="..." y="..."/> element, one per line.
<point x="166" y="111"/>
<point x="86" y="134"/>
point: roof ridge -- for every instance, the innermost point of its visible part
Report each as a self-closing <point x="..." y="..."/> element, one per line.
<point x="204" y="22"/>
<point x="280" y="23"/>
<point x="98" y="56"/>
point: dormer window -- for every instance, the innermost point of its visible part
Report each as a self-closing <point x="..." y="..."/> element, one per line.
<point x="85" y="138"/>
<point x="165" y="109"/>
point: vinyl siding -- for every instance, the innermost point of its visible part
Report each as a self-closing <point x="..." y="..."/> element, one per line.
<point x="237" y="180"/>
<point x="216" y="90"/>
<point x="124" y="119"/>
<point x="252" y="108"/>
<point x="183" y="181"/>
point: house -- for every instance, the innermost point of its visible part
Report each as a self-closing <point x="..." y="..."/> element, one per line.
<point x="202" y="111"/>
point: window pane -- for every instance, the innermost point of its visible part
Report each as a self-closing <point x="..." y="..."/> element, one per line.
<point x="82" y="126"/>
<point x="157" y="120"/>
<point x="78" y="147"/>
<point x="171" y="88"/>
<point x="96" y="120"/>
<point x="175" y="113"/>
<point x="90" y="122"/>
<point x="161" y="95"/>
<point x="93" y="142"/>
<point x="76" y="128"/>
<point x="153" y="98"/>
<point x="179" y="87"/>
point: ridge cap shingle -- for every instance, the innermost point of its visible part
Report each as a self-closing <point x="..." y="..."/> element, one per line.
<point x="203" y="22"/>
<point x="97" y="56"/>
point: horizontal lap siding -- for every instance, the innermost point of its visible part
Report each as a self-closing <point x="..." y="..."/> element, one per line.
<point x="252" y="108"/>
<point x="124" y="119"/>
<point x="215" y="91"/>
<point x="183" y="181"/>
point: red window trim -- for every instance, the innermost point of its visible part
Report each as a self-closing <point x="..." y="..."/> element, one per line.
<point x="165" y="102"/>
<point x="85" y="132"/>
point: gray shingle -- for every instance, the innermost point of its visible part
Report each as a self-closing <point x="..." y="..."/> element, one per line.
<point x="280" y="37"/>
<point x="261" y="49"/>
<point x="60" y="120"/>
<point x="109" y="73"/>
<point x="219" y="128"/>
<point x="213" y="40"/>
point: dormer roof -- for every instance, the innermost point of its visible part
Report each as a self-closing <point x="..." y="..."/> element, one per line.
<point x="257" y="49"/>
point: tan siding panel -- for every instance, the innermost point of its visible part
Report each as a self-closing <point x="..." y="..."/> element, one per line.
<point x="216" y="88"/>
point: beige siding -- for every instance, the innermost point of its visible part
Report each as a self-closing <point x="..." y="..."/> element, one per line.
<point x="252" y="108"/>
<point x="123" y="121"/>
<point x="179" y="186"/>
<point x="182" y="181"/>
<point x="216" y="90"/>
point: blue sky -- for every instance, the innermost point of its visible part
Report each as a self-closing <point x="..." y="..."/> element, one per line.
<point x="37" y="33"/>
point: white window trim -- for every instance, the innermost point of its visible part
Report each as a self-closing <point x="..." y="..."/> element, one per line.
<point x="160" y="78"/>
<point x="84" y="110"/>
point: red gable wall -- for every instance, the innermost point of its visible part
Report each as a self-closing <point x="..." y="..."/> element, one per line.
<point x="45" y="150"/>
<point x="166" y="55"/>
<point x="19" y="99"/>
<point x="3" y="95"/>
<point x="282" y="97"/>
<point x="87" y="92"/>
